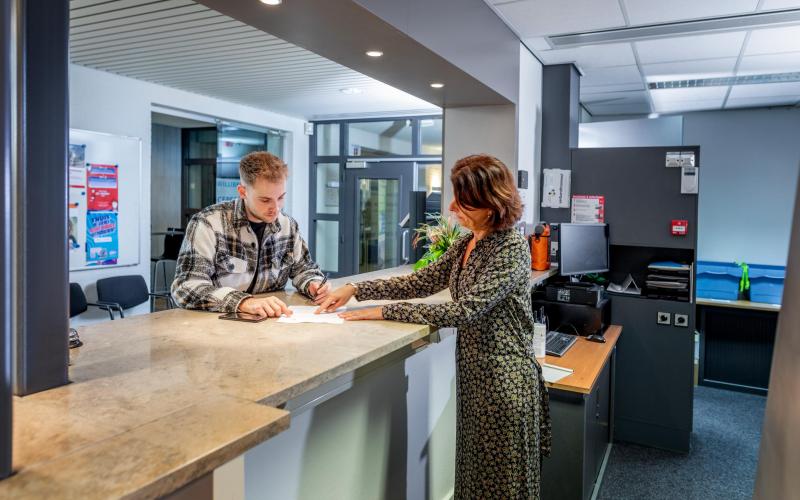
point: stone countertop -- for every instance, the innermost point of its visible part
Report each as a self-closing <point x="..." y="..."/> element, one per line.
<point x="161" y="399"/>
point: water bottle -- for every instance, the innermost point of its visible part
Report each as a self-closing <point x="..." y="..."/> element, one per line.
<point x="539" y="340"/>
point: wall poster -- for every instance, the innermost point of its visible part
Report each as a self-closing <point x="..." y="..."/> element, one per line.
<point x="103" y="214"/>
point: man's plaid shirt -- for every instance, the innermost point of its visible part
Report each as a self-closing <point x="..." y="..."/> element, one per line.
<point x="218" y="259"/>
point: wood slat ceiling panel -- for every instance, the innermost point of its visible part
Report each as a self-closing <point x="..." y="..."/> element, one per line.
<point x="185" y="45"/>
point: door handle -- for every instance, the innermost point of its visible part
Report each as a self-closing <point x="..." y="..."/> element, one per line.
<point x="405" y="246"/>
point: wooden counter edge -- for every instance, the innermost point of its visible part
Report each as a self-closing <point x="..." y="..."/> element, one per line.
<point x="739" y="304"/>
<point x="584" y="355"/>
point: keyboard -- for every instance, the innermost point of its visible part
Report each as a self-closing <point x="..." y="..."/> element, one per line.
<point x="559" y="343"/>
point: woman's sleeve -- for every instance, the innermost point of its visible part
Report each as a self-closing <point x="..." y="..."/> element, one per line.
<point x="504" y="272"/>
<point x="431" y="279"/>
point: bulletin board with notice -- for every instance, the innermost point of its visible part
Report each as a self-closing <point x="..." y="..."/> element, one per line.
<point x="104" y="200"/>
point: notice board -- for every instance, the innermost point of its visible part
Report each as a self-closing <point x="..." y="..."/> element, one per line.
<point x="104" y="201"/>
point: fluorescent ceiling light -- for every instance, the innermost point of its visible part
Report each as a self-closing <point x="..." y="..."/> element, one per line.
<point x="437" y="85"/>
<point x="726" y="81"/>
<point x="668" y="30"/>
<point x="271" y="2"/>
<point x="351" y="90"/>
<point x="374" y="53"/>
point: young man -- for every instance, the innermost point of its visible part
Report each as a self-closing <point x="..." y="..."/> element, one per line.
<point x="247" y="246"/>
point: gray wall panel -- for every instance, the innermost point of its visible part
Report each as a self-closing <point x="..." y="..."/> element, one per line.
<point x="642" y="195"/>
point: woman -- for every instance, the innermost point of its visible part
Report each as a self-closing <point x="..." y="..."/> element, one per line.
<point x="503" y="423"/>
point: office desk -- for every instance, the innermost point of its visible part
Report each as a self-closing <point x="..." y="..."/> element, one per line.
<point x="581" y="409"/>
<point x="737" y="338"/>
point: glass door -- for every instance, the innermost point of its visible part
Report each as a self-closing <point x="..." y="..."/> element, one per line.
<point x="380" y="196"/>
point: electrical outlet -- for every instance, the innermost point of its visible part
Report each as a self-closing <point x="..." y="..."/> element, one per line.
<point x="682" y="320"/>
<point x="664" y="318"/>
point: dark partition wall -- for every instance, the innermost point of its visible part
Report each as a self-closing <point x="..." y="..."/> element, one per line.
<point x="5" y="238"/>
<point x="654" y="372"/>
<point x="42" y="298"/>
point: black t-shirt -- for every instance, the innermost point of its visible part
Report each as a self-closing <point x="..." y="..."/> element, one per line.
<point x="258" y="228"/>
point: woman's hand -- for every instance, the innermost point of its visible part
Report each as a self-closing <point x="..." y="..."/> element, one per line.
<point x="360" y="314"/>
<point x="336" y="299"/>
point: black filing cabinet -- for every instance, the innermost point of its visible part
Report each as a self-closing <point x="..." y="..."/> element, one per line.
<point x="654" y="404"/>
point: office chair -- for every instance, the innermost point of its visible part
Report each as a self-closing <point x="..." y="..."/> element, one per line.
<point x="79" y="305"/>
<point x="125" y="292"/>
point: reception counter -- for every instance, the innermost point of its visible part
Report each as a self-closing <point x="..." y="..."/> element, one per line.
<point x="159" y="401"/>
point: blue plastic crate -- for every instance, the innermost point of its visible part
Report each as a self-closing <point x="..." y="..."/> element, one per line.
<point x="766" y="283"/>
<point x="718" y="280"/>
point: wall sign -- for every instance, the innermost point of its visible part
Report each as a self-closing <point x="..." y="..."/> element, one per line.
<point x="588" y="208"/>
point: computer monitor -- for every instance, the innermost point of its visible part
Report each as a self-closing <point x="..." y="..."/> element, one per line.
<point x="582" y="249"/>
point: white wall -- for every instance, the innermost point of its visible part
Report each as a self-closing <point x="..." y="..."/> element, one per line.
<point x="529" y="130"/>
<point x="749" y="163"/>
<point x="663" y="131"/>
<point x="477" y="129"/>
<point x="104" y="102"/>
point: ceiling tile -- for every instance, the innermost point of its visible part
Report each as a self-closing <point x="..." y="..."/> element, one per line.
<point x="773" y="40"/>
<point x="683" y="106"/>
<point x="619" y="109"/>
<point x="686" y="70"/>
<point x="766" y="90"/>
<point x="754" y="102"/>
<point x="690" y="47"/>
<point x="688" y="94"/>
<point x="652" y="11"/>
<point x="591" y="56"/>
<point x="686" y="99"/>
<point x="770" y="63"/>
<point x="780" y="4"/>
<point x="611" y="76"/>
<point x="531" y="18"/>
<point x="620" y="87"/>
<point x="608" y="98"/>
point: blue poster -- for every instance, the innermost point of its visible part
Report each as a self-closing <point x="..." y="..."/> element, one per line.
<point x="102" y="238"/>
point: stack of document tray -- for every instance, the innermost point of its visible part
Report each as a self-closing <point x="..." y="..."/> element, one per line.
<point x="669" y="280"/>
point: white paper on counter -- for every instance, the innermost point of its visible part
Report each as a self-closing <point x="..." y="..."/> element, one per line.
<point x="553" y="373"/>
<point x="305" y="314"/>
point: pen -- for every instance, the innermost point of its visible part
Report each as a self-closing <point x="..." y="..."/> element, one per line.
<point x="324" y="280"/>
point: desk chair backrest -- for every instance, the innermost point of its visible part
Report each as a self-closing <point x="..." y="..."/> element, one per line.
<point x="172" y="246"/>
<point x="127" y="291"/>
<point x="77" y="300"/>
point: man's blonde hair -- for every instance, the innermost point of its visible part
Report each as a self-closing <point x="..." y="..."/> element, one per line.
<point x="262" y="164"/>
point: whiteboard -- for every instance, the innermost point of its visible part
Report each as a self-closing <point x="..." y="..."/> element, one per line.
<point x="104" y="200"/>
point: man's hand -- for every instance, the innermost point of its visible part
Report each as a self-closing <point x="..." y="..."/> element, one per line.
<point x="270" y="307"/>
<point x="319" y="293"/>
<point x="335" y="299"/>
<point x="359" y="314"/>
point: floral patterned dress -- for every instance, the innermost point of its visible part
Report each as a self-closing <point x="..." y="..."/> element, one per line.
<point x="503" y="421"/>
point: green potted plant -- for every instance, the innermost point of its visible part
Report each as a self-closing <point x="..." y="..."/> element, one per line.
<point x="437" y="238"/>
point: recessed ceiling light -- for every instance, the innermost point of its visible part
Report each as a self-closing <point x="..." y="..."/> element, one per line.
<point x="437" y="85"/>
<point x="374" y="53"/>
<point x="350" y="90"/>
<point x="271" y="2"/>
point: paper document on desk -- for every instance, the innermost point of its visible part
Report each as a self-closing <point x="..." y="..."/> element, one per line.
<point x="553" y="373"/>
<point x="305" y="314"/>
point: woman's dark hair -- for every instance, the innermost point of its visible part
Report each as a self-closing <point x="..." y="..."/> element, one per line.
<point x="483" y="181"/>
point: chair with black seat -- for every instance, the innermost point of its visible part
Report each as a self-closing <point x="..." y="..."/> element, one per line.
<point x="173" y="239"/>
<point x="125" y="292"/>
<point x="79" y="305"/>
